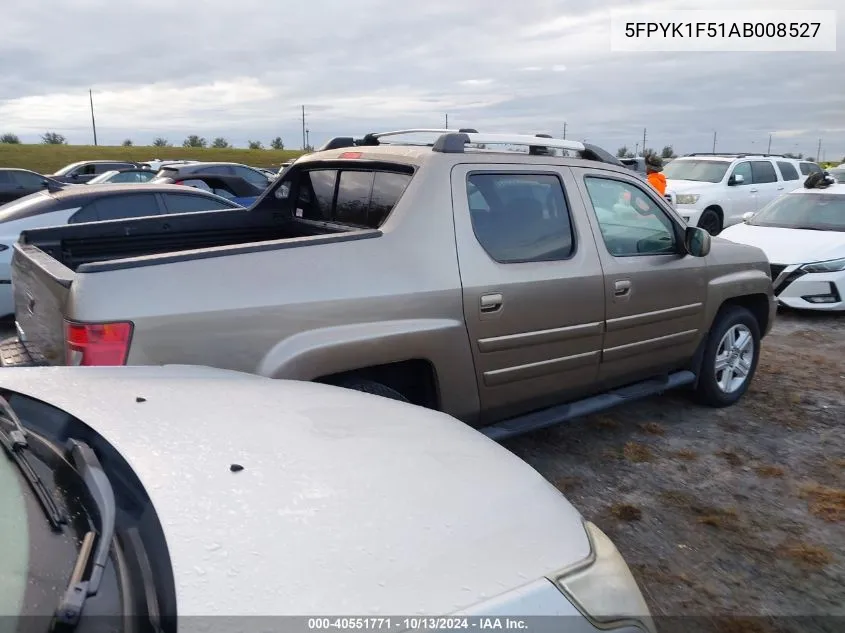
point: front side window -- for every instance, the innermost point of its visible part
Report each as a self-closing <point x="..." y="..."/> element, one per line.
<point x="27" y="179"/>
<point x="788" y="171"/>
<point x="744" y="170"/>
<point x="762" y="171"/>
<point x="631" y="222"/>
<point x="810" y="168"/>
<point x="520" y="217"/>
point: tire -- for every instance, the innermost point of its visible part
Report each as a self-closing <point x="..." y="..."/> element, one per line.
<point x="710" y="221"/>
<point x="723" y="388"/>
<point x="373" y="387"/>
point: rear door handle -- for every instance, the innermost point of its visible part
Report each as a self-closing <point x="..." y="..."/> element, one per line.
<point x="621" y="288"/>
<point x="491" y="303"/>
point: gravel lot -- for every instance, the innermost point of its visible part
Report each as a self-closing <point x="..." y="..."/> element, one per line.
<point x="735" y="512"/>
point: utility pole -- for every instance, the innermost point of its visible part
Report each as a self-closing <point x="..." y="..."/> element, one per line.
<point x="714" y="141"/>
<point x="564" y="130"/>
<point x="93" y="123"/>
<point x="769" y="151"/>
<point x="819" y="151"/>
<point x="303" y="129"/>
<point x="636" y="149"/>
<point x="643" y="141"/>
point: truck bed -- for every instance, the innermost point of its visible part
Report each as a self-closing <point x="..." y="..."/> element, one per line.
<point x="90" y="247"/>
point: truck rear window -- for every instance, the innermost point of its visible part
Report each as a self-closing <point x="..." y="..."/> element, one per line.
<point x="349" y="196"/>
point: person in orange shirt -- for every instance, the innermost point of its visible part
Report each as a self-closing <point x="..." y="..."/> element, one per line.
<point x="653" y="167"/>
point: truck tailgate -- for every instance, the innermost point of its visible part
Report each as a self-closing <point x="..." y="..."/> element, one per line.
<point x="41" y="287"/>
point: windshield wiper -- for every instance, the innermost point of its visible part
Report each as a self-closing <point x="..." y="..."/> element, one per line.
<point x="15" y="444"/>
<point x="97" y="482"/>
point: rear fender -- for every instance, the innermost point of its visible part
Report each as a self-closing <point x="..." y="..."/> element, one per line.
<point x="326" y="351"/>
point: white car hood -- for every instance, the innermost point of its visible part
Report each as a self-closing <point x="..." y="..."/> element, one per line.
<point x="789" y="246"/>
<point x="690" y="186"/>
<point x="347" y="504"/>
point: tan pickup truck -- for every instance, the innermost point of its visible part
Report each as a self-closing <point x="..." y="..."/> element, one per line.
<point x="512" y="289"/>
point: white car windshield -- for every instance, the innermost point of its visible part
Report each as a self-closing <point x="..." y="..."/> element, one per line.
<point x="698" y="170"/>
<point x="812" y="211"/>
<point x="838" y="174"/>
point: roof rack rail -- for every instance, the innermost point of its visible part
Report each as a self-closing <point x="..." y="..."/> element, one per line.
<point x="340" y="142"/>
<point x="737" y="154"/>
<point x="455" y="142"/>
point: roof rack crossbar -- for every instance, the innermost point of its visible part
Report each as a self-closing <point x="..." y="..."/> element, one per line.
<point x="455" y="143"/>
<point x="739" y="154"/>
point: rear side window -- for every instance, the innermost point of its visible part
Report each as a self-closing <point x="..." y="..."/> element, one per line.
<point x="788" y="171"/>
<point x="220" y="170"/>
<point x="184" y="203"/>
<point x="357" y="197"/>
<point x="136" y="205"/>
<point x="810" y="168"/>
<point x="26" y="179"/>
<point x="762" y="171"/>
<point x="520" y="217"/>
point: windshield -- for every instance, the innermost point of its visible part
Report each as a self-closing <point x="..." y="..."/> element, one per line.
<point x="814" y="211"/>
<point x="698" y="170"/>
<point x="64" y="171"/>
<point x="104" y="177"/>
<point x="838" y="174"/>
<point x="14" y="546"/>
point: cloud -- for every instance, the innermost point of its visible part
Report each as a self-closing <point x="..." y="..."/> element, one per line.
<point x="243" y="70"/>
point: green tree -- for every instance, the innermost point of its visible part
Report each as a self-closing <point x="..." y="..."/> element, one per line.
<point x="277" y="143"/>
<point x="53" y="138"/>
<point x="127" y="143"/>
<point x="161" y="142"/>
<point x="10" y="139"/>
<point x="667" y="152"/>
<point x="255" y="145"/>
<point x="622" y="152"/>
<point x="220" y="143"/>
<point x="194" y="141"/>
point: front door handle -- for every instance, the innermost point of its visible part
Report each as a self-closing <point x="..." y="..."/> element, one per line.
<point x="753" y="190"/>
<point x="491" y="303"/>
<point x="622" y="288"/>
<point x="780" y="188"/>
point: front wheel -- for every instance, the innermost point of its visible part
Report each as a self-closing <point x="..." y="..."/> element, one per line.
<point x="730" y="358"/>
<point x="710" y="221"/>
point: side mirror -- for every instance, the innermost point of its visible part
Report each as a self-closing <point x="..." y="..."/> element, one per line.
<point x="75" y="176"/>
<point x="736" y="179"/>
<point x="747" y="216"/>
<point x="45" y="183"/>
<point x="697" y="241"/>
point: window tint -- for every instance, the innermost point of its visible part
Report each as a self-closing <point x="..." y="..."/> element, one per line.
<point x="788" y="171"/>
<point x="136" y="205"/>
<point x="26" y="179"/>
<point x="744" y="170"/>
<point x="87" y="170"/>
<point x="220" y="170"/>
<point x="186" y="203"/>
<point x="353" y="197"/>
<point x="631" y="222"/>
<point x="763" y="171"/>
<point x="388" y="187"/>
<point x="809" y="168"/>
<point x="315" y="195"/>
<point x="520" y="217"/>
<point x="250" y="175"/>
<point x="196" y="184"/>
<point x="5" y="177"/>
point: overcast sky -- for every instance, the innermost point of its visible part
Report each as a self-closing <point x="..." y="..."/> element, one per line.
<point x="242" y="70"/>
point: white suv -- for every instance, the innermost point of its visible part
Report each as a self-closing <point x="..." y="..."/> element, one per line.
<point x="714" y="191"/>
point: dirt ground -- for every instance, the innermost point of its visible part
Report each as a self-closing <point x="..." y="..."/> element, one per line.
<point x="736" y="512"/>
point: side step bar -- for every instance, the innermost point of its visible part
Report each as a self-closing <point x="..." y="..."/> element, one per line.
<point x="566" y="412"/>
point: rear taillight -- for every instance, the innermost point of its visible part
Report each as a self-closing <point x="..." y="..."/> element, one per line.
<point x="97" y="343"/>
<point x="179" y="182"/>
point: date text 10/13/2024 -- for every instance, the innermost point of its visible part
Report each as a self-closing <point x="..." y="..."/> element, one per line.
<point x="418" y="623"/>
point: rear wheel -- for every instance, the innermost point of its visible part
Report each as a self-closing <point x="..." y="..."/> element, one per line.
<point x="373" y="387"/>
<point x="710" y="221"/>
<point x="730" y="358"/>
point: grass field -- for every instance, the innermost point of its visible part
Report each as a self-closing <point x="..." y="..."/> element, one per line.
<point x="46" y="159"/>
